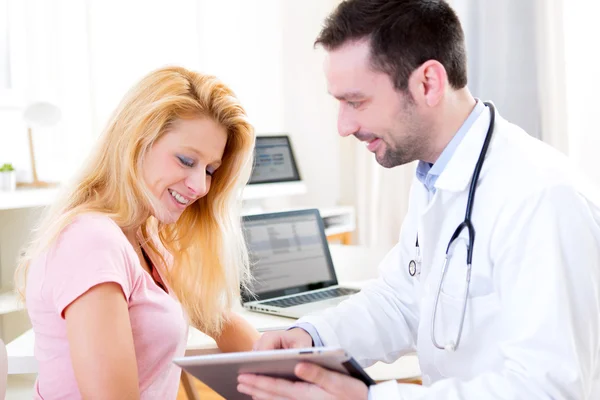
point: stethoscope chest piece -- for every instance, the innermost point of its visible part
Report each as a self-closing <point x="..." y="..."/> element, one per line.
<point x="412" y="267"/>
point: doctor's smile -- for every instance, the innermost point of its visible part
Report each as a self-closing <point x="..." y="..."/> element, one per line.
<point x="370" y="141"/>
<point x="373" y="144"/>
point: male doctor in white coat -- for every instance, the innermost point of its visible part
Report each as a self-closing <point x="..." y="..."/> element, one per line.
<point x="532" y="320"/>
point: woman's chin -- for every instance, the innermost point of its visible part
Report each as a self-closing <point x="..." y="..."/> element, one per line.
<point x="166" y="216"/>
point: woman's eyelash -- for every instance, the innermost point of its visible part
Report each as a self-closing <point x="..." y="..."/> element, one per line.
<point x="186" y="161"/>
<point x="210" y="171"/>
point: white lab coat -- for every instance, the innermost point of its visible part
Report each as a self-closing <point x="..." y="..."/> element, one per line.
<point x="532" y="327"/>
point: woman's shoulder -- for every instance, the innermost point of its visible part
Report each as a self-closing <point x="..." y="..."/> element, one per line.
<point x="93" y="226"/>
<point x="91" y="249"/>
<point x="91" y="233"/>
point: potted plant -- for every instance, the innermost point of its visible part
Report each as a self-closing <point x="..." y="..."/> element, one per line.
<point x="8" y="177"/>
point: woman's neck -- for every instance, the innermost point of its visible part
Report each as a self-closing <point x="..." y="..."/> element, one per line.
<point x="131" y="235"/>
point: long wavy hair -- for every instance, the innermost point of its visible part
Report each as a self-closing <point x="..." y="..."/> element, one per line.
<point x="203" y="255"/>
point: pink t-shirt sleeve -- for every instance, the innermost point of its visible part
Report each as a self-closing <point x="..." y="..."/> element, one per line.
<point x="91" y="251"/>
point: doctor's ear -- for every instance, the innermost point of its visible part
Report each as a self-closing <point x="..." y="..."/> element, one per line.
<point x="428" y="83"/>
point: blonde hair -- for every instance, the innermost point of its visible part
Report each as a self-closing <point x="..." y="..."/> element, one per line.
<point x="207" y="257"/>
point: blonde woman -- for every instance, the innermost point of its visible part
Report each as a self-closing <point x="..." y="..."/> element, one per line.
<point x="146" y="240"/>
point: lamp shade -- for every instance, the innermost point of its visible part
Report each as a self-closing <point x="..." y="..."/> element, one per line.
<point x="38" y="114"/>
<point x="42" y="114"/>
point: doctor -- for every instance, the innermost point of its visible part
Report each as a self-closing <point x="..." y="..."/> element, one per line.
<point x="495" y="282"/>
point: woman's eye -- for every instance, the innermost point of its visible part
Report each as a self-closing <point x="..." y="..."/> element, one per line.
<point x="354" y="104"/>
<point x="188" y="162"/>
<point x="210" y="171"/>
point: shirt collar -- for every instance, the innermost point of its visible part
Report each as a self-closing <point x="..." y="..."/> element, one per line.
<point x="428" y="173"/>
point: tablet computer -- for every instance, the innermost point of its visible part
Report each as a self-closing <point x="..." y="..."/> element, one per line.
<point x="220" y="371"/>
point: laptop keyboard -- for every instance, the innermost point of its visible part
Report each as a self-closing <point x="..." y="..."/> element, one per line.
<point x="310" y="297"/>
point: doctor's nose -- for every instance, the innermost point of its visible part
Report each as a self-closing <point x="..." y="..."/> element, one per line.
<point x="346" y="124"/>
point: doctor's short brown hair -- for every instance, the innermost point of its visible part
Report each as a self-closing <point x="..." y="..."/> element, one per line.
<point x="403" y="35"/>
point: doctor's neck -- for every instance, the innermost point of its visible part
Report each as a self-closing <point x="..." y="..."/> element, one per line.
<point x="446" y="119"/>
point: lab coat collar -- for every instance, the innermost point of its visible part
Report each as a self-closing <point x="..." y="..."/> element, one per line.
<point x="459" y="171"/>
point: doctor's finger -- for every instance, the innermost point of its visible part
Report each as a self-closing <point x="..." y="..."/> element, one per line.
<point x="264" y="386"/>
<point x="258" y="394"/>
<point x="332" y="382"/>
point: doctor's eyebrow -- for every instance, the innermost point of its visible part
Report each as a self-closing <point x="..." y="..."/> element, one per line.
<point x="349" y="96"/>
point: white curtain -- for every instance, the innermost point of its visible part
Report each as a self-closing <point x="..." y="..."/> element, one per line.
<point x="552" y="73"/>
<point x="380" y="195"/>
<point x="515" y="54"/>
<point x="583" y="55"/>
<point x="382" y="206"/>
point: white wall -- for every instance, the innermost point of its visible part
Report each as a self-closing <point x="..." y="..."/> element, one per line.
<point x="128" y="39"/>
<point x="311" y="113"/>
<point x="48" y="40"/>
<point x="52" y="67"/>
<point x="265" y="53"/>
<point x="241" y="42"/>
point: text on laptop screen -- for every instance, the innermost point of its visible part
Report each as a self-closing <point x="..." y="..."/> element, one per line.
<point x="286" y="252"/>
<point x="273" y="161"/>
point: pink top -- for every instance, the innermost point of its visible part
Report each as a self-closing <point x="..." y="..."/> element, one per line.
<point x="90" y="251"/>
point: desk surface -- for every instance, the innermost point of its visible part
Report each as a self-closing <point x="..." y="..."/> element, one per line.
<point x="354" y="265"/>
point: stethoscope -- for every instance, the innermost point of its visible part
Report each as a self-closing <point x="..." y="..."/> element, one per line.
<point x="414" y="265"/>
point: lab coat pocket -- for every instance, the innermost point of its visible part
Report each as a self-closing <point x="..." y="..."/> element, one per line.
<point x="479" y="327"/>
<point x="455" y="280"/>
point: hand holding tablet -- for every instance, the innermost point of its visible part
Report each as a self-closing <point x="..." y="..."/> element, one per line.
<point x="220" y="371"/>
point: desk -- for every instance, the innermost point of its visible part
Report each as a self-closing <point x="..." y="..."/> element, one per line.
<point x="354" y="265"/>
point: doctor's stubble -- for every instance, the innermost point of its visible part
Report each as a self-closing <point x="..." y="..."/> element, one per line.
<point x="407" y="140"/>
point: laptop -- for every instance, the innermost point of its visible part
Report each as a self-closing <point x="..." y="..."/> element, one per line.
<point x="293" y="274"/>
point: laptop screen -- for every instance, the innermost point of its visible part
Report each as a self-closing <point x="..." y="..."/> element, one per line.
<point x="288" y="252"/>
<point x="273" y="161"/>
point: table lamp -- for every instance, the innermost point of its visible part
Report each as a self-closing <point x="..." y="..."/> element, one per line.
<point x="40" y="114"/>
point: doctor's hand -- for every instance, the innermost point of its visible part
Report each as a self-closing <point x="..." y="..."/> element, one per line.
<point x="296" y="338"/>
<point x="319" y="384"/>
